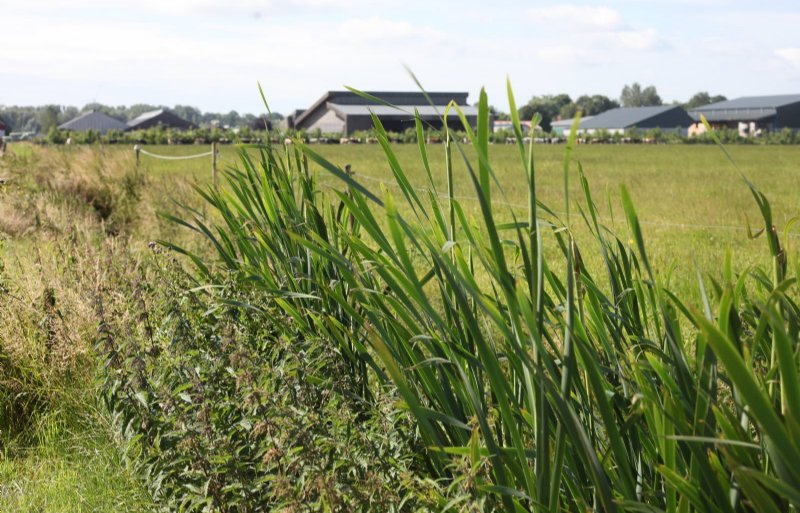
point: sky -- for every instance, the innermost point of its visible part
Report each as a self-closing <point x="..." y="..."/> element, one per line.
<point x="211" y="54"/>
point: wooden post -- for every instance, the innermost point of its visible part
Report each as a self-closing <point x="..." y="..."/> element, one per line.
<point x="136" y="150"/>
<point x="214" y="164"/>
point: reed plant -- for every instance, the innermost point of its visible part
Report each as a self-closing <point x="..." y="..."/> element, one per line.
<point x="536" y="383"/>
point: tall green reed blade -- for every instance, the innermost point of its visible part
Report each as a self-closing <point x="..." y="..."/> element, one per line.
<point x="561" y="396"/>
<point x="568" y="364"/>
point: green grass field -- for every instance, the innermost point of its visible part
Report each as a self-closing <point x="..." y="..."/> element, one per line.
<point x="693" y="205"/>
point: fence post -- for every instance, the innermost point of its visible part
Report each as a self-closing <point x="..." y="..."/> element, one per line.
<point x="136" y="150"/>
<point x="214" y="164"/>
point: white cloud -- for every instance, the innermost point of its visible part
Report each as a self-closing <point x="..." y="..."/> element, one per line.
<point x="562" y="54"/>
<point x="790" y="56"/>
<point x="386" y="31"/>
<point x="578" y="16"/>
<point x="635" y="39"/>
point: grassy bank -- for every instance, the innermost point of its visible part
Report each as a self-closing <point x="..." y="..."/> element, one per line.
<point x="74" y="233"/>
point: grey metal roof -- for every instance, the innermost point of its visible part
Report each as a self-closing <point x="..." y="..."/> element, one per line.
<point x="625" y="117"/>
<point x="145" y="116"/>
<point x="406" y="111"/>
<point x="93" y="120"/>
<point x="159" y="116"/>
<point x="405" y="98"/>
<point x="567" y="123"/>
<point x="748" y="108"/>
<point x="734" y="114"/>
<point x="752" y="103"/>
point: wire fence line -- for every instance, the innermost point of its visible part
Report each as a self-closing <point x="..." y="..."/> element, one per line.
<point x="660" y="224"/>
<point x="175" y="157"/>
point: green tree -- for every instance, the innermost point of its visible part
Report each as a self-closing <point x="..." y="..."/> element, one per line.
<point x="48" y="117"/>
<point x="703" y="98"/>
<point x="55" y="136"/>
<point x="588" y="105"/>
<point x="548" y="106"/>
<point x="634" y="96"/>
<point x="190" y="114"/>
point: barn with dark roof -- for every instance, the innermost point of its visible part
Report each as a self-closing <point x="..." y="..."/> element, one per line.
<point x="752" y="115"/>
<point x="346" y="112"/>
<point x="160" y="117"/>
<point x="664" y="117"/>
<point x="95" y="121"/>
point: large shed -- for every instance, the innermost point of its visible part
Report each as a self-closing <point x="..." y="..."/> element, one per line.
<point x="158" y="117"/>
<point x="664" y="117"/>
<point x="345" y="112"/>
<point x="95" y="121"/>
<point x="563" y="127"/>
<point x="751" y="115"/>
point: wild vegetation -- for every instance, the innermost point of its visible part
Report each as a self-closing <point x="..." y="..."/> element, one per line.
<point x="467" y="333"/>
<point x="534" y="385"/>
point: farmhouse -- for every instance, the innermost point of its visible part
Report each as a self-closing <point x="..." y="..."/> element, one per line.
<point x="158" y="117"/>
<point x="665" y="117"/>
<point x="751" y="115"/>
<point x="345" y="112"/>
<point x="95" y="121"/>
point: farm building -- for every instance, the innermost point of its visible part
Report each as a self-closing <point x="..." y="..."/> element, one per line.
<point x="751" y="115"/>
<point x="564" y="126"/>
<point x="161" y="117"/>
<point x="288" y="121"/>
<point x="508" y="126"/>
<point x="95" y="121"/>
<point x="261" y="123"/>
<point x="665" y="117"/>
<point x="345" y="112"/>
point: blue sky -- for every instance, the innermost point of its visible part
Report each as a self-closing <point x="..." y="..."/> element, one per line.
<point x="211" y="53"/>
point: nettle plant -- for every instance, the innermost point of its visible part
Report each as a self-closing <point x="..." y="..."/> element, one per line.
<point x="535" y="382"/>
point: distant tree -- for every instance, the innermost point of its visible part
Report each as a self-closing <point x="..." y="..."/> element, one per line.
<point x="230" y="119"/>
<point x="496" y="113"/>
<point x="48" y="117"/>
<point x="703" y="98"/>
<point x="68" y="113"/>
<point x="588" y="105"/>
<point x="548" y="106"/>
<point x="55" y="136"/>
<point x="634" y="96"/>
<point x="190" y="114"/>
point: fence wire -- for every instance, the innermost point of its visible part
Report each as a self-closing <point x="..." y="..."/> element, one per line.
<point x="175" y="157"/>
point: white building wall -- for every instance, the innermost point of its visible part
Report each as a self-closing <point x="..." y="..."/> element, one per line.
<point x="327" y="121"/>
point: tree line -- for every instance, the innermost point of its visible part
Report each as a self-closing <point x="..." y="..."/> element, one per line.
<point x="41" y="119"/>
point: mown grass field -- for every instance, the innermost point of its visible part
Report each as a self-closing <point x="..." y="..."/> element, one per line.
<point x="692" y="202"/>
